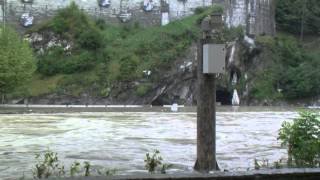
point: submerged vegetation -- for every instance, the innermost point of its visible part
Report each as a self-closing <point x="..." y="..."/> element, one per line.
<point x="154" y="163"/>
<point x="48" y="165"/>
<point x="302" y="138"/>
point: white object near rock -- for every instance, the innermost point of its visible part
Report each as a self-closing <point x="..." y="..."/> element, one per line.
<point x="125" y="17"/>
<point x="26" y="20"/>
<point x="234" y="79"/>
<point x="147" y="72"/>
<point x="27" y="1"/>
<point x="233" y="49"/>
<point x="235" y="98"/>
<point x="148" y="5"/>
<point x="174" y="107"/>
<point x="165" y="18"/>
<point x="104" y="3"/>
<point x="250" y="42"/>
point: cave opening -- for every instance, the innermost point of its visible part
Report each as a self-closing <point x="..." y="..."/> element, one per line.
<point x="224" y="97"/>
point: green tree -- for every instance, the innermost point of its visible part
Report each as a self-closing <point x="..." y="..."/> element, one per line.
<point x="298" y="16"/>
<point x="291" y="71"/>
<point x="16" y="61"/>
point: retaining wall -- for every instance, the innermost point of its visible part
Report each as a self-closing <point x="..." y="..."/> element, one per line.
<point x="256" y="16"/>
<point x="277" y="174"/>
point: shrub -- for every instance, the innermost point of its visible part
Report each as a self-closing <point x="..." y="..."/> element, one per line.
<point x="55" y="61"/>
<point x="200" y="10"/>
<point x="75" y="26"/>
<point x="91" y="39"/>
<point x="302" y="137"/>
<point x="48" y="166"/>
<point x="154" y="163"/>
<point x="143" y="89"/>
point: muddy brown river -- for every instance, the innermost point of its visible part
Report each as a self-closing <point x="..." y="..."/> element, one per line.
<point x="121" y="139"/>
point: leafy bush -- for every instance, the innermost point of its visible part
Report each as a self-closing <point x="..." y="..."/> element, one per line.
<point x="154" y="162"/>
<point x="302" y="137"/>
<point x="200" y="10"/>
<point x="75" y="26"/>
<point x="143" y="89"/>
<point x="91" y="39"/>
<point x="70" y="21"/>
<point x="48" y="165"/>
<point x="55" y="61"/>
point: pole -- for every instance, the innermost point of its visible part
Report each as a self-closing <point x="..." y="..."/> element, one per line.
<point x="206" y="121"/>
<point x="302" y="20"/>
<point x="206" y="101"/>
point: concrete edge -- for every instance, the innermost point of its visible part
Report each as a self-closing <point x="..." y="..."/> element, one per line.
<point x="256" y="174"/>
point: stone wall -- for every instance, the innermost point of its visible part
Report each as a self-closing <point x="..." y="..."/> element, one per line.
<point x="256" y="16"/>
<point x="276" y="174"/>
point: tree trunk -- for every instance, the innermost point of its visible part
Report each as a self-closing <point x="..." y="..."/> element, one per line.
<point x="303" y="14"/>
<point x="2" y="98"/>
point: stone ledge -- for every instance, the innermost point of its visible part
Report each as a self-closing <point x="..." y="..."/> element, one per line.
<point x="272" y="174"/>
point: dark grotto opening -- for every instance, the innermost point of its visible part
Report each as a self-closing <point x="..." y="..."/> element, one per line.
<point x="224" y="97"/>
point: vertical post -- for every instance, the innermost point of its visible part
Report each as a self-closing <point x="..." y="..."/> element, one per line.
<point x="2" y="98"/>
<point x="303" y="19"/>
<point x="206" y="100"/>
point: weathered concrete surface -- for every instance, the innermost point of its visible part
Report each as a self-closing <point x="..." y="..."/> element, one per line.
<point x="274" y="174"/>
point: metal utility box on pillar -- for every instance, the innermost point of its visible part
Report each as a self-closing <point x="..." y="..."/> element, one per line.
<point x="214" y="58"/>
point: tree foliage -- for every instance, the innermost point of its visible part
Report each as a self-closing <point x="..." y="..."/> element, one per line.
<point x="74" y="25"/>
<point x="298" y="15"/>
<point x="291" y="72"/>
<point x="17" y="63"/>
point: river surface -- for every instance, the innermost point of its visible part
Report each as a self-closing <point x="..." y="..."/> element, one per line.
<point x="121" y="139"/>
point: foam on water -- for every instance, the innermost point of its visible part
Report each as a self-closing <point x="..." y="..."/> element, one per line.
<point x="121" y="139"/>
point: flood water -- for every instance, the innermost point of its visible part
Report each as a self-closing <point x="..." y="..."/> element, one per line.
<point x="121" y="139"/>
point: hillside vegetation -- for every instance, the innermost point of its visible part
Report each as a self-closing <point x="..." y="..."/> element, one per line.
<point x="103" y="54"/>
<point x="16" y="61"/>
<point x="293" y="56"/>
<point x="104" y="59"/>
